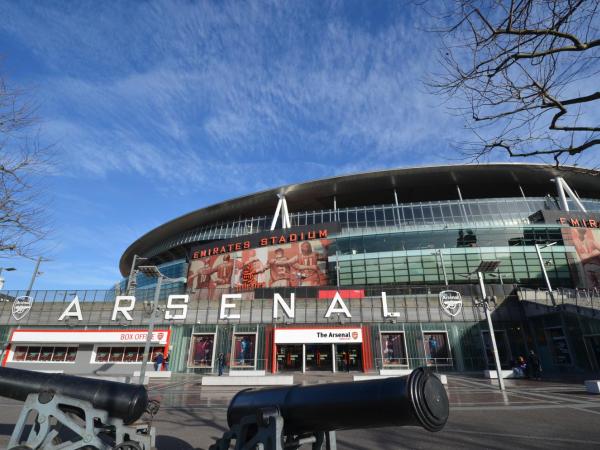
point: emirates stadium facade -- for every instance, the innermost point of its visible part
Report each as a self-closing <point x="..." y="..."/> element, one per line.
<point x="367" y="272"/>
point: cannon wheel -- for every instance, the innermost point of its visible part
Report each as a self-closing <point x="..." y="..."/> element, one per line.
<point x="127" y="445"/>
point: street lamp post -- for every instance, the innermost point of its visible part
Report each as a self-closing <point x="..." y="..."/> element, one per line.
<point x="499" y="276"/>
<point x="8" y="269"/>
<point x="538" y="249"/>
<point x="132" y="273"/>
<point x="35" y="274"/>
<point x="488" y="267"/>
<point x="439" y="252"/>
<point x="151" y="271"/>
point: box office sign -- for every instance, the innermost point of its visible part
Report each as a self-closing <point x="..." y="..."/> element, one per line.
<point x="91" y="337"/>
<point x="318" y="336"/>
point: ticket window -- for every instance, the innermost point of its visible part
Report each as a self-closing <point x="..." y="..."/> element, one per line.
<point x="319" y="357"/>
<point x="348" y="357"/>
<point x="289" y="357"/>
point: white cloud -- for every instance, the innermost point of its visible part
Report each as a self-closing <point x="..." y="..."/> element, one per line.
<point x="195" y="89"/>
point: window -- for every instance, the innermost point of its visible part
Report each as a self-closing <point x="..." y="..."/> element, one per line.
<point x="45" y="354"/>
<point x="59" y="354"/>
<point x="19" y="353"/>
<point x="131" y="354"/>
<point x="116" y="354"/>
<point x="121" y="355"/>
<point x="33" y="354"/>
<point x="102" y="354"/>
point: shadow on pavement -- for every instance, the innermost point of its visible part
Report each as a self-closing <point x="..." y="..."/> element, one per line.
<point x="7" y="428"/>
<point x="173" y="443"/>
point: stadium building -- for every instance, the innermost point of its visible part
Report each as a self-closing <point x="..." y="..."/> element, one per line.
<point x="367" y="272"/>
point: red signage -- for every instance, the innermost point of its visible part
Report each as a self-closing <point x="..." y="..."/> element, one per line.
<point x="265" y="239"/>
<point x="580" y="222"/>
<point x="326" y="294"/>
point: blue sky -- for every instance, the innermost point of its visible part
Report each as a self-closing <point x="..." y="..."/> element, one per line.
<point x="155" y="109"/>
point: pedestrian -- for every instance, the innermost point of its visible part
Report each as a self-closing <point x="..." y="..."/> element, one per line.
<point x="535" y="367"/>
<point x="519" y="370"/>
<point x="343" y="361"/>
<point x="167" y="361"/>
<point x="220" y="363"/>
<point x="158" y="361"/>
<point x="347" y="361"/>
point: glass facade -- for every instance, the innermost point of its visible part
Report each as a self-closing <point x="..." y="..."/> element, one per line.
<point x="422" y="257"/>
<point x="499" y="212"/>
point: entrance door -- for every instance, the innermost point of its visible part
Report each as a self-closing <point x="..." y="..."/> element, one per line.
<point x="592" y="344"/>
<point x="348" y="357"/>
<point x="503" y="349"/>
<point x="289" y="357"/>
<point x="318" y="357"/>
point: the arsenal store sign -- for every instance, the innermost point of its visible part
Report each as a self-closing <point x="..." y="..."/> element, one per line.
<point x="318" y="336"/>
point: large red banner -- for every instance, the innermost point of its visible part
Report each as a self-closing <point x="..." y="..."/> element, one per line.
<point x="587" y="245"/>
<point x="287" y="265"/>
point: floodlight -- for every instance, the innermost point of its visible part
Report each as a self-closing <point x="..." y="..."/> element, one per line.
<point x="488" y="266"/>
<point x="150" y="271"/>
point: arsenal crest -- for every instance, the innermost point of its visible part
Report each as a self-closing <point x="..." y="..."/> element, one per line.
<point x="451" y="302"/>
<point x="355" y="335"/>
<point x="21" y="306"/>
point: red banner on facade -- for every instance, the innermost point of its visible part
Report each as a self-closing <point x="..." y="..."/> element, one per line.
<point x="344" y="293"/>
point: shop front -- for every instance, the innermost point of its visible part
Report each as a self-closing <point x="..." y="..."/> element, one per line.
<point x="83" y="352"/>
<point x="318" y="349"/>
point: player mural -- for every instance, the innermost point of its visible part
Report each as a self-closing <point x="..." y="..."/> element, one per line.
<point x="587" y="244"/>
<point x="287" y="265"/>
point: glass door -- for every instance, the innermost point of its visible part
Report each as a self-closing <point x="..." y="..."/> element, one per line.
<point x="318" y="357"/>
<point x="348" y="357"/>
<point x="289" y="358"/>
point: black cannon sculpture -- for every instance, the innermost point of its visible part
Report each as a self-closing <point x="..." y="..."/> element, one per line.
<point x="95" y="414"/>
<point x="289" y="417"/>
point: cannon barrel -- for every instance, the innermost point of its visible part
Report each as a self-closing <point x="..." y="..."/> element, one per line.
<point x="415" y="399"/>
<point x="124" y="401"/>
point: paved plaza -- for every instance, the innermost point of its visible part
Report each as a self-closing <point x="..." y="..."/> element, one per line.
<point x="529" y="415"/>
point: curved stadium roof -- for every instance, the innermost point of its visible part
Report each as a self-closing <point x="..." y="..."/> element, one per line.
<point x="371" y="188"/>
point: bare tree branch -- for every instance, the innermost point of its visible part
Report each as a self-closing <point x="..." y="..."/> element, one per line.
<point x="524" y="73"/>
<point x="22" y="161"/>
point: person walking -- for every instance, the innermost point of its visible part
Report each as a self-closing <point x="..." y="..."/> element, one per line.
<point x="158" y="361"/>
<point x="535" y="366"/>
<point x="220" y="363"/>
<point x="167" y="361"/>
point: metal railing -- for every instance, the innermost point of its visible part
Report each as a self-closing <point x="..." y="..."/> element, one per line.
<point x="577" y="300"/>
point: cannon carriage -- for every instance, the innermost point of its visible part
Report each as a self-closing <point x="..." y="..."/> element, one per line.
<point x="70" y="413"/>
